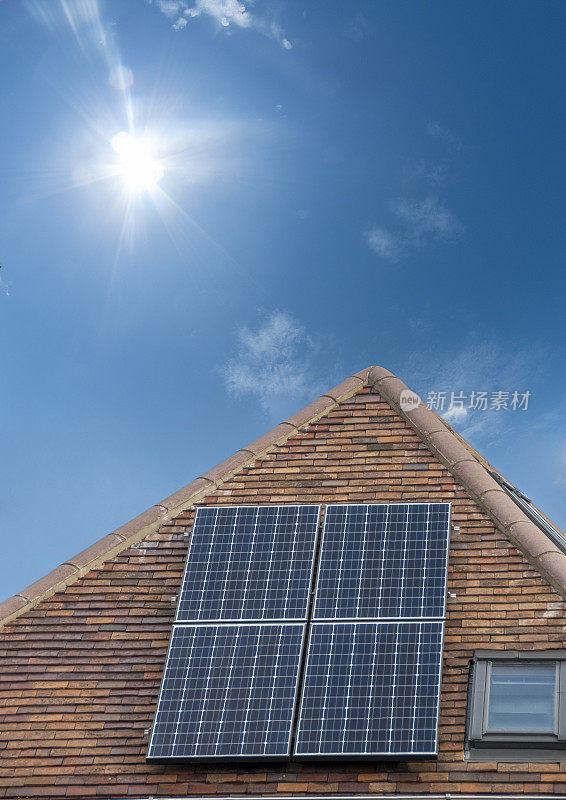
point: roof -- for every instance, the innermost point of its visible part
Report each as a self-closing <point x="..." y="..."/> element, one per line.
<point x="511" y="512"/>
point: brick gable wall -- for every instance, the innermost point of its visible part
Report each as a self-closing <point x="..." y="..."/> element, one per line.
<point x="81" y="671"/>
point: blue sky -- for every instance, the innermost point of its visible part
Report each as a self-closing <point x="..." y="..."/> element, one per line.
<point x="323" y="187"/>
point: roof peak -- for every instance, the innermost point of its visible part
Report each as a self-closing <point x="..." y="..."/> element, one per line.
<point x="467" y="466"/>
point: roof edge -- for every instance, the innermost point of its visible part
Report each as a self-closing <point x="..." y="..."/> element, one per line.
<point x="464" y="463"/>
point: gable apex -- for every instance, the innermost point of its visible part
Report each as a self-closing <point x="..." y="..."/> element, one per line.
<point x="471" y="470"/>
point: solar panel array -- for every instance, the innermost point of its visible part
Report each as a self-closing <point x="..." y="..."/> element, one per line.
<point x="373" y="662"/>
<point x="231" y="677"/>
<point x="372" y="688"/>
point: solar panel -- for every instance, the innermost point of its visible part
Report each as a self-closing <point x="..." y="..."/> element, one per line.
<point x="249" y="563"/>
<point x="383" y="561"/>
<point x="228" y="691"/>
<point x="371" y="689"/>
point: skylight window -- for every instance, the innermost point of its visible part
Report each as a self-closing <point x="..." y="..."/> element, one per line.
<point x="517" y="706"/>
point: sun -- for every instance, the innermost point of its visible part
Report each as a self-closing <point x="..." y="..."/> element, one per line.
<point x="136" y="165"/>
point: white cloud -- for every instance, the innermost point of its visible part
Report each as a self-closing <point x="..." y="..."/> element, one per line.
<point x="226" y="12"/>
<point x="426" y="219"/>
<point x="419" y="222"/>
<point x="383" y="243"/>
<point x="455" y="413"/>
<point x="275" y="365"/>
<point x="172" y="8"/>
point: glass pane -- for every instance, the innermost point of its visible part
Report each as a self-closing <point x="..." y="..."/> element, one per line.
<point x="522" y="698"/>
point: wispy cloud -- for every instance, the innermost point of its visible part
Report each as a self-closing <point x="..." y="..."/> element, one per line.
<point x="4" y="287"/>
<point x="420" y="220"/>
<point x="455" y="413"/>
<point x="358" y="28"/>
<point x="454" y="383"/>
<point x="426" y="219"/>
<point x="275" y="365"/>
<point x="228" y="13"/>
<point x="417" y="224"/>
<point x="383" y="243"/>
<point x="431" y="174"/>
<point x="438" y="131"/>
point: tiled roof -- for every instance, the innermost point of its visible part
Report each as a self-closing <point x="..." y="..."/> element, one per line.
<point x="467" y="466"/>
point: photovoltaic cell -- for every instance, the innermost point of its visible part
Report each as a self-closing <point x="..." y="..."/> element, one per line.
<point x="249" y="563"/>
<point x="228" y="692"/>
<point x="371" y="689"/>
<point x="383" y="561"/>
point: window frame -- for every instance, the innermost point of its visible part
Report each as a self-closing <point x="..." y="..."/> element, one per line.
<point x="479" y="740"/>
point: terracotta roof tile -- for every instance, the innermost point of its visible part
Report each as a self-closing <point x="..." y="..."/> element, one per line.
<point x="100" y="548"/>
<point x="11" y="606"/>
<point x="188" y="494"/>
<point x="553" y="566"/>
<point x="278" y="434"/>
<point x="473" y="475"/>
<point x="531" y="537"/>
<point x="444" y="443"/>
<point x="312" y="412"/>
<point x="151" y="518"/>
<point x="228" y="467"/>
<point x="41" y="587"/>
<point x="424" y="422"/>
<point x="345" y="389"/>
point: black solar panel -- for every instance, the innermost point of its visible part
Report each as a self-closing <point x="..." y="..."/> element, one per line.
<point x="371" y="689"/>
<point x="249" y="563"/>
<point x="383" y="561"/>
<point x="228" y="692"/>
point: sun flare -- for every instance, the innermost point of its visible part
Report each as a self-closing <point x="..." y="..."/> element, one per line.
<point x="136" y="164"/>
